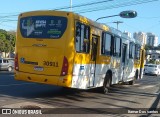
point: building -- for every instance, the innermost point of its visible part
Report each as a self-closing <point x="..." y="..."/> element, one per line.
<point x="152" y="40"/>
<point x="153" y="55"/>
<point x="141" y="36"/>
<point x="127" y="33"/>
<point x="7" y="55"/>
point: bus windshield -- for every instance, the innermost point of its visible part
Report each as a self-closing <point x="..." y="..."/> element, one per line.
<point x="50" y="27"/>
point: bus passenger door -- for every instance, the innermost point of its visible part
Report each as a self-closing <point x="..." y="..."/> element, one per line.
<point x="123" y="63"/>
<point x="93" y="60"/>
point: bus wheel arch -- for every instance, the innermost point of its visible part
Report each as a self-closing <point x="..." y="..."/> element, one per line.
<point x="107" y="82"/>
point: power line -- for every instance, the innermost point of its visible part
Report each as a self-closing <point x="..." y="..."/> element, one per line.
<point x="83" y="5"/>
<point x="116" y="6"/>
<point x="111" y="7"/>
<point x="7" y="21"/>
<point x="135" y="28"/>
<point x="7" y="25"/>
<point x="153" y="26"/>
<point x="102" y="6"/>
<point x="10" y="13"/>
<point x="7" y="16"/>
<point x="150" y="17"/>
<point x="68" y="7"/>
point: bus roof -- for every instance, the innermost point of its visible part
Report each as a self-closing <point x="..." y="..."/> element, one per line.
<point x="120" y="34"/>
<point x="77" y="16"/>
<point x="93" y="23"/>
<point x="87" y="21"/>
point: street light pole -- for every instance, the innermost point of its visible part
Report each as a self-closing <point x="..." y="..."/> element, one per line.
<point x="106" y="17"/>
<point x="123" y="14"/>
<point x="118" y="22"/>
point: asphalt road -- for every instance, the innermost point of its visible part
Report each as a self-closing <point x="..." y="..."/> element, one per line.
<point x="142" y="96"/>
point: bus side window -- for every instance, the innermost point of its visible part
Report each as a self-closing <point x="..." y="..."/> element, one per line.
<point x="82" y="38"/>
<point x="137" y="52"/>
<point x="131" y="50"/>
<point x="78" y="32"/>
<point x="106" y="44"/>
<point x="117" y="47"/>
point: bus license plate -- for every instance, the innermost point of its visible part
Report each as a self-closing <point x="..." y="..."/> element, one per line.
<point x="38" y="68"/>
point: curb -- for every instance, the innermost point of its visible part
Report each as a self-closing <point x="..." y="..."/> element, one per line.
<point x="5" y="73"/>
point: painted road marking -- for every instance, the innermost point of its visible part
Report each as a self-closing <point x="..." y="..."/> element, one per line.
<point x="15" y="84"/>
<point x="148" y="86"/>
<point x="23" y="104"/>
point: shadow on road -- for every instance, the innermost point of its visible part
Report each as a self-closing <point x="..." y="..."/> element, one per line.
<point x="121" y="96"/>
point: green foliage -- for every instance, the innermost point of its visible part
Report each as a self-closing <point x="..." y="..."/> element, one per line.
<point x="7" y="41"/>
<point x="157" y="48"/>
<point x="157" y="62"/>
<point x="147" y="47"/>
<point x="152" y="61"/>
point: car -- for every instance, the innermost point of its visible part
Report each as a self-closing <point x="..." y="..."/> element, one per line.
<point x="7" y="64"/>
<point x="152" y="69"/>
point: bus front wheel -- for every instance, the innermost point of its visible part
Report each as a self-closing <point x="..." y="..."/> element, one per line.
<point x="107" y="84"/>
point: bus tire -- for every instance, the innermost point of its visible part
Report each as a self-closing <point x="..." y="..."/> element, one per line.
<point x="132" y="82"/>
<point x="136" y="75"/>
<point x="107" y="83"/>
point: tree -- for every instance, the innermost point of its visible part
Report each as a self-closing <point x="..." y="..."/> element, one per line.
<point x="152" y="61"/>
<point x="7" y="41"/>
<point x="147" y="47"/>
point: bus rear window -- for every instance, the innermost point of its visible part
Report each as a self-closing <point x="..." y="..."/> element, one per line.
<point x="50" y="27"/>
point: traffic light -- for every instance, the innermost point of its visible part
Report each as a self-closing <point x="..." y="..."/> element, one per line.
<point x="128" y="14"/>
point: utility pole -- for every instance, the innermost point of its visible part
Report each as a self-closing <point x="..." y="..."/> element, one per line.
<point x="70" y="5"/>
<point x="118" y="22"/>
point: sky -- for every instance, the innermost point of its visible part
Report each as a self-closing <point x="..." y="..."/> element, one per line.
<point x="147" y="20"/>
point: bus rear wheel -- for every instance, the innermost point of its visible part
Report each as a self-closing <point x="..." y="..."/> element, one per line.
<point x="132" y="82"/>
<point x="107" y="84"/>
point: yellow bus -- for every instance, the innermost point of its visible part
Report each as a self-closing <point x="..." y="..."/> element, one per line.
<point x="69" y="50"/>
